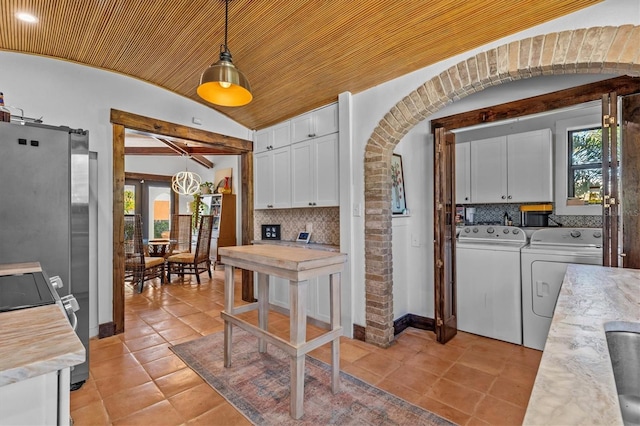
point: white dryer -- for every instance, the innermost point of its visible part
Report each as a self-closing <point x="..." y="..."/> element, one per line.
<point x="544" y="263"/>
<point x="488" y="281"/>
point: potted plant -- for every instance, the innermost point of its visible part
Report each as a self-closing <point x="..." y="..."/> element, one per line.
<point x="206" y="187"/>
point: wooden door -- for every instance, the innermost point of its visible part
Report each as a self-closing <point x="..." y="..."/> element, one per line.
<point x="630" y="181"/>
<point x="444" y="233"/>
<point x="610" y="176"/>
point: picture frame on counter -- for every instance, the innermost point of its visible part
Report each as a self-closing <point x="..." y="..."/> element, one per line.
<point x="398" y="196"/>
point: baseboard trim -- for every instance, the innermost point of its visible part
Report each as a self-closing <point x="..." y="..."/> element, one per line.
<point x="399" y="325"/>
<point x="106" y="330"/>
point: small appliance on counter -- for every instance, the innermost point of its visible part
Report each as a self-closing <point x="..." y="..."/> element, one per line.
<point x="303" y="237"/>
<point x="535" y="215"/>
<point x="270" y="232"/>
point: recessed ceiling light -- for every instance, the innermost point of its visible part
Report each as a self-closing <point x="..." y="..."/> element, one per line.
<point x="26" y="17"/>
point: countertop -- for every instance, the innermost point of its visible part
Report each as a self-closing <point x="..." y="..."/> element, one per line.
<point x="575" y="383"/>
<point x="35" y="341"/>
<point x="312" y="246"/>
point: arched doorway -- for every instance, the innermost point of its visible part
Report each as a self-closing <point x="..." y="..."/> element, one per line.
<point x="600" y="50"/>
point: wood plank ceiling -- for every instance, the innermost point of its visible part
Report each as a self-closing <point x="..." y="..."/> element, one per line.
<point x="297" y="55"/>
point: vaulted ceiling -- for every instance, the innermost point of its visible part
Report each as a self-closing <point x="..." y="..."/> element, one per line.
<point x="296" y="54"/>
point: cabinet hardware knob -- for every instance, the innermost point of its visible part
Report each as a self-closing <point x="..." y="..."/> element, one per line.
<point x="503" y="197"/>
<point x="466" y="198"/>
<point x="509" y="197"/>
<point x="310" y="204"/>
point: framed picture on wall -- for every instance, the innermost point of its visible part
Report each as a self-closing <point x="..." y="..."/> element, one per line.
<point x="398" y="198"/>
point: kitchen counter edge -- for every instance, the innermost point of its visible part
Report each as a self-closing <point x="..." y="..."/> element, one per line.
<point x="36" y="341"/>
<point x="311" y="246"/>
<point x="575" y="382"/>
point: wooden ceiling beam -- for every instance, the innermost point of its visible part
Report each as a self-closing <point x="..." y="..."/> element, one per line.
<point x="184" y="150"/>
<point x="556" y="100"/>
<point x="160" y="150"/>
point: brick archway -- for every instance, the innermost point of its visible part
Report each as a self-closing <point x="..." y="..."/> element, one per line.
<point x="599" y="50"/>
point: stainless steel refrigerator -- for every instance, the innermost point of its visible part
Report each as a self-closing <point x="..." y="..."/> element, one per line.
<point x="44" y="210"/>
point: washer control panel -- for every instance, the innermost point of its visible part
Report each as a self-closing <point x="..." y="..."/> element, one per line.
<point x="579" y="237"/>
<point x="496" y="233"/>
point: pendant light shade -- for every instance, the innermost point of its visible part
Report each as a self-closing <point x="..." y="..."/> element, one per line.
<point x="222" y="83"/>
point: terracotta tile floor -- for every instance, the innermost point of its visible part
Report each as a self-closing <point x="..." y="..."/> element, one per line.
<point x="136" y="379"/>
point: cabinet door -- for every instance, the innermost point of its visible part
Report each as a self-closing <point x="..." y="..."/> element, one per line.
<point x="326" y="120"/>
<point x="327" y="171"/>
<point x="530" y="166"/>
<point x="262" y="140"/>
<point x="302" y="127"/>
<point x="302" y="174"/>
<point x="263" y="180"/>
<point x="281" y="186"/>
<point x="463" y="173"/>
<point x="489" y="170"/>
<point x="280" y="135"/>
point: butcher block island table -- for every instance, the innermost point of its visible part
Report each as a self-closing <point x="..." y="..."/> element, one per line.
<point x="296" y="265"/>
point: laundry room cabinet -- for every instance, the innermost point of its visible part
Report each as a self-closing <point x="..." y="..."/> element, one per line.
<point x="314" y="172"/>
<point x="512" y="169"/>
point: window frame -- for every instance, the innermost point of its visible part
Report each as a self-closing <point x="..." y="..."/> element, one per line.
<point x="571" y="168"/>
<point x="590" y="119"/>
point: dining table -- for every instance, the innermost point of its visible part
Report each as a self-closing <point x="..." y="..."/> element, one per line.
<point x="159" y="247"/>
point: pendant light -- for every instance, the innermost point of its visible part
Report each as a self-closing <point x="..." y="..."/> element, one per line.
<point x="186" y="183"/>
<point x="222" y="83"/>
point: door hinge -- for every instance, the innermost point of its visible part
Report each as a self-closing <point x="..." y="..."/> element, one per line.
<point x="439" y="263"/>
<point x="439" y="206"/>
<point x="439" y="322"/>
<point x="608" y="120"/>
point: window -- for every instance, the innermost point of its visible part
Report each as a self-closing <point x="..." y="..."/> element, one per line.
<point x="585" y="162"/>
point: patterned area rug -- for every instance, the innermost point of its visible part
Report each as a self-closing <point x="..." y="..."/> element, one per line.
<point x="258" y="386"/>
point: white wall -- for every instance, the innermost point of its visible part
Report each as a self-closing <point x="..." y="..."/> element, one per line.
<point x="64" y="93"/>
<point x="370" y="106"/>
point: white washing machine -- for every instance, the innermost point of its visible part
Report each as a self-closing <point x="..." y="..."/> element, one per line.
<point x="488" y="281"/>
<point x="544" y="263"/>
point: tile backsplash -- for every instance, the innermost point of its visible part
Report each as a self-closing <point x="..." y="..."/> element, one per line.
<point x="325" y="222"/>
<point x="494" y="213"/>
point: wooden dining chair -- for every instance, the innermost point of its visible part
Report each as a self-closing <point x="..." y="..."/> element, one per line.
<point x="138" y="266"/>
<point x="180" y="234"/>
<point x="197" y="262"/>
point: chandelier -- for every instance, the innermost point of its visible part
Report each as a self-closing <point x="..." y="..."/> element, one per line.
<point x="186" y="182"/>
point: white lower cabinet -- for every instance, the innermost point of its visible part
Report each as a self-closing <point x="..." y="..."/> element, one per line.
<point x="272" y="179"/>
<point x="318" y="305"/>
<point x="39" y="400"/>
<point x="314" y="172"/>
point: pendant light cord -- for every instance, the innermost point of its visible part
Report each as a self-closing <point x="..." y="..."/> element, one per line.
<point x="224" y="47"/>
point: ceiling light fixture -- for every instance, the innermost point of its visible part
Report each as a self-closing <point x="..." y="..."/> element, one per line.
<point x="222" y="83"/>
<point x="26" y="17"/>
<point x="186" y="182"/>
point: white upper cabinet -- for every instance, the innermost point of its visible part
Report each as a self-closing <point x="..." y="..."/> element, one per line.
<point x="512" y="169"/>
<point x="272" y="179"/>
<point x="314" y="172"/>
<point x="463" y="173"/>
<point x="273" y="137"/>
<point x="315" y="124"/>
<point x="530" y="160"/>
<point x="489" y="170"/>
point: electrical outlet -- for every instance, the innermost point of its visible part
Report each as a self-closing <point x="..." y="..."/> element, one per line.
<point x="309" y="227"/>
